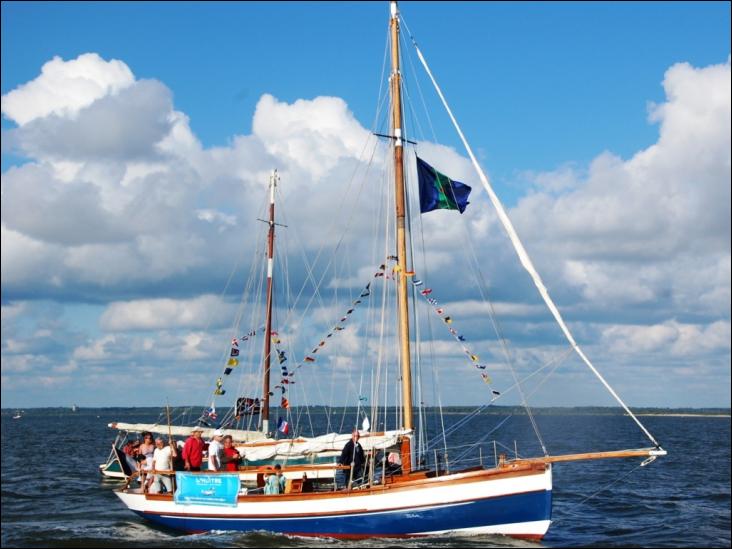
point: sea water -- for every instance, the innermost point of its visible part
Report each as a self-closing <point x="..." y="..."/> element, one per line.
<point x="54" y="496"/>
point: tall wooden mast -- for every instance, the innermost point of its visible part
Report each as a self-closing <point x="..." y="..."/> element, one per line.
<point x="401" y="239"/>
<point x="268" y="331"/>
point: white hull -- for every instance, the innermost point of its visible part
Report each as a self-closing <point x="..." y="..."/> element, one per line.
<point x="515" y="503"/>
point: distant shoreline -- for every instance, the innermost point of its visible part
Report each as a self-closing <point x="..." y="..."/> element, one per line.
<point x="686" y="415"/>
<point x="446" y="410"/>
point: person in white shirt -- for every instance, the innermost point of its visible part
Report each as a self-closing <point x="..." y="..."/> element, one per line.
<point x="216" y="451"/>
<point x="162" y="461"/>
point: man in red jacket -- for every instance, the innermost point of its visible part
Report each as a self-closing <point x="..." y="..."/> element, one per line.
<point x="193" y="450"/>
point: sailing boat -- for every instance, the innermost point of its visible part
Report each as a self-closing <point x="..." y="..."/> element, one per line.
<point x="512" y="497"/>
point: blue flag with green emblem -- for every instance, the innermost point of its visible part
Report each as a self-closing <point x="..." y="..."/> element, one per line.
<point x="439" y="192"/>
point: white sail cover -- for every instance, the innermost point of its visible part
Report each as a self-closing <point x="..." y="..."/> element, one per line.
<point x="324" y="443"/>
<point x="238" y="435"/>
<point x="260" y="447"/>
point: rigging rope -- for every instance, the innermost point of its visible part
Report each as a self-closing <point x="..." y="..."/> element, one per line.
<point x="437" y="396"/>
<point x="521" y="251"/>
<point x="480" y="281"/>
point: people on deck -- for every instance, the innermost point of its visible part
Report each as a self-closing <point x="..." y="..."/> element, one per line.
<point x="193" y="450"/>
<point x="162" y="461"/>
<point x="131" y="450"/>
<point x="147" y="448"/>
<point x="178" y="461"/>
<point x="275" y="483"/>
<point x="352" y="457"/>
<point x="131" y="447"/>
<point x="393" y="463"/>
<point x="216" y="451"/>
<point x="232" y="457"/>
<point x="307" y="484"/>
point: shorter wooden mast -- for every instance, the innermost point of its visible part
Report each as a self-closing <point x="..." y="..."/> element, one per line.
<point x="268" y="330"/>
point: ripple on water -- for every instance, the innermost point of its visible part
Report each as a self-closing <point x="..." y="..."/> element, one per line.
<point x="65" y="502"/>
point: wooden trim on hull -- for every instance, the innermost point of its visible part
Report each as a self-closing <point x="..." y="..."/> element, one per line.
<point x="514" y="503"/>
<point x="509" y="471"/>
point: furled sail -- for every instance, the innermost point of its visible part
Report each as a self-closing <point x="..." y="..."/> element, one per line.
<point x="238" y="435"/>
<point x="324" y="443"/>
<point x="260" y="447"/>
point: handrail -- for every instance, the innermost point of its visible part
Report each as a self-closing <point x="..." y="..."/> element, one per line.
<point x="246" y="469"/>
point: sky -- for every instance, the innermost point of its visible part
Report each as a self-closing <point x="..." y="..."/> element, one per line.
<point x="138" y="138"/>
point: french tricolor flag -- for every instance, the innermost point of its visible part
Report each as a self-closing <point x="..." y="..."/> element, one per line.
<point x="283" y="427"/>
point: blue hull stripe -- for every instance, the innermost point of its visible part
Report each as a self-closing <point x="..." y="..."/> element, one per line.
<point x="526" y="507"/>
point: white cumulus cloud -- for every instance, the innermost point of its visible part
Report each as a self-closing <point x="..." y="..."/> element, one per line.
<point x="633" y="230"/>
<point x="120" y="201"/>
<point x="679" y="338"/>
<point x="65" y="87"/>
<point x="154" y="314"/>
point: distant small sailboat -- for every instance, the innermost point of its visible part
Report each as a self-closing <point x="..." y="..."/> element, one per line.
<point x="17" y="415"/>
<point x="74" y="408"/>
